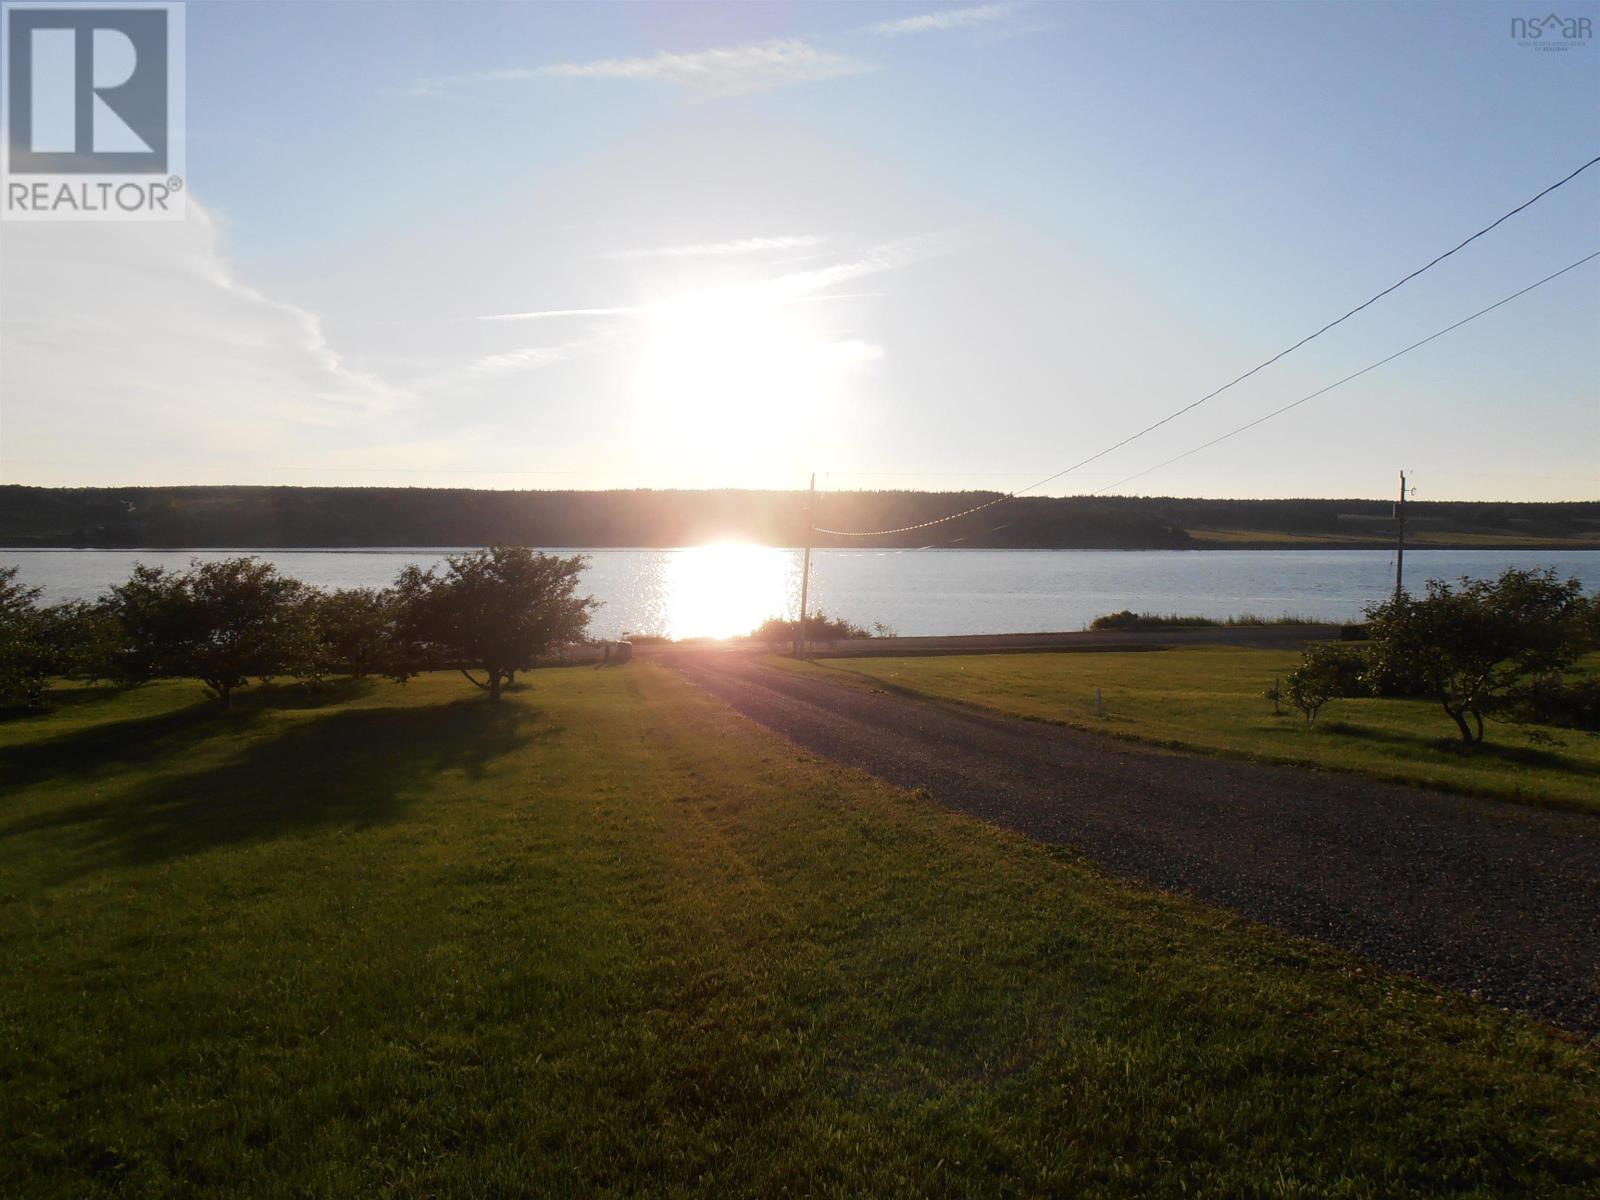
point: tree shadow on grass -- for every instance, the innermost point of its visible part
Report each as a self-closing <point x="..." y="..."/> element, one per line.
<point x="57" y="698"/>
<point x="1490" y="751"/>
<point x="107" y="747"/>
<point x="352" y="768"/>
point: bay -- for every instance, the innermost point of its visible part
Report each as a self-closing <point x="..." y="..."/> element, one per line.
<point x="724" y="590"/>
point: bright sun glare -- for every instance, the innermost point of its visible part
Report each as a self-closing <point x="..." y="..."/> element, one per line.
<point x="725" y="590"/>
<point x="723" y="371"/>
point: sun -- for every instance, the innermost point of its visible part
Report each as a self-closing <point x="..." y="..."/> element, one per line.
<point x="727" y="589"/>
<point x="739" y="374"/>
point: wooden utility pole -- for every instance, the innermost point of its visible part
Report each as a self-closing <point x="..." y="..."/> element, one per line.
<point x="805" y="571"/>
<point x="1400" y="543"/>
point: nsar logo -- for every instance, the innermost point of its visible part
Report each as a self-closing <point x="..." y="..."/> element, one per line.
<point x="1551" y="32"/>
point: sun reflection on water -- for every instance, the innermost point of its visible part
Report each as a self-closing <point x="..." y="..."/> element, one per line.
<point x="726" y="590"/>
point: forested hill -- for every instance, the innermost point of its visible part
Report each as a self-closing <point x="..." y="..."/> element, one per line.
<point x="331" y="517"/>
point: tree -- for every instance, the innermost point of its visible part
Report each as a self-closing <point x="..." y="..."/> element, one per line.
<point x="220" y="622"/>
<point x="358" y="629"/>
<point x="84" y="639"/>
<point x="1326" y="671"/>
<point x="495" y="611"/>
<point x="26" y="658"/>
<point x="1474" y="644"/>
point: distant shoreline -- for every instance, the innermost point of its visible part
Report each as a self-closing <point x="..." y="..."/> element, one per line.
<point x="327" y="518"/>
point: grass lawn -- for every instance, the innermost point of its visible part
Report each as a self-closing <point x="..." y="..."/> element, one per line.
<point x="609" y="938"/>
<point x="1210" y="699"/>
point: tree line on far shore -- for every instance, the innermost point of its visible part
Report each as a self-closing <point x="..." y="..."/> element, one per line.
<point x="488" y="613"/>
<point x="412" y="517"/>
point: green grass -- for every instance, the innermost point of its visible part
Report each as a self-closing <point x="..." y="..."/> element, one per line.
<point x="611" y="939"/>
<point x="1210" y="699"/>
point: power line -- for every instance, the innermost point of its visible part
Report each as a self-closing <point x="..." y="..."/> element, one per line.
<point x="1232" y="382"/>
<point x="1320" y="391"/>
<point x="1278" y="412"/>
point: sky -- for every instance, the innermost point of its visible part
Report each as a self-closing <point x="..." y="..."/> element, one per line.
<point x="899" y="245"/>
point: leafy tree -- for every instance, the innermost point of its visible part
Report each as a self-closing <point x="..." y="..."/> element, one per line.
<point x="1477" y="643"/>
<point x="495" y="611"/>
<point x="1326" y="671"/>
<point x="17" y="600"/>
<point x="359" y="633"/>
<point x="26" y="657"/>
<point x="219" y="622"/>
<point x="83" y="639"/>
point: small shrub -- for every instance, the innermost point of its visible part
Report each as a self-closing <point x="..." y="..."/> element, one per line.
<point x="820" y="627"/>
<point x="1326" y="672"/>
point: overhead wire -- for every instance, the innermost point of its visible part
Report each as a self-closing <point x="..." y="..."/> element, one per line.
<point x="1000" y="499"/>
<point x="1277" y="412"/>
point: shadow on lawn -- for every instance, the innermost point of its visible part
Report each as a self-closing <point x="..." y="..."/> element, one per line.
<point x="352" y="768"/>
<point x="107" y="747"/>
<point x="1526" y="756"/>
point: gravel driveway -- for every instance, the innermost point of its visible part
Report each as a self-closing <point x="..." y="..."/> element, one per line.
<point x="1481" y="895"/>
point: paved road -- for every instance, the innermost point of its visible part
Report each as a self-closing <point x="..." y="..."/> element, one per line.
<point x="1497" y="898"/>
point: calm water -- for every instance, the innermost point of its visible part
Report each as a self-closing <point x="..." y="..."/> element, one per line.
<point x="716" y="591"/>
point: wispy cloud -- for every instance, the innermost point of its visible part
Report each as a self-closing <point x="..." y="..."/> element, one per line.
<point x="792" y="287"/>
<point x="527" y="359"/>
<point x="888" y="256"/>
<point x="97" y="371"/>
<point x="545" y="314"/>
<point x="703" y="74"/>
<point x="946" y="19"/>
<point x="752" y="245"/>
<point x="514" y="362"/>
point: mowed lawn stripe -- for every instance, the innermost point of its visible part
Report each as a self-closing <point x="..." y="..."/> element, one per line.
<point x="609" y="937"/>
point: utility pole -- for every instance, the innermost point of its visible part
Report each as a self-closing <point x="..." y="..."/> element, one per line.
<point x="805" y="571"/>
<point x="1400" y="543"/>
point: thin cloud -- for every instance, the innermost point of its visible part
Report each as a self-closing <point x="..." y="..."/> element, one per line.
<point x="545" y="314"/>
<point x="514" y="362"/>
<point x="753" y="245"/>
<point x="946" y="19"/>
<point x="888" y="256"/>
<point x="703" y="74"/>
<point x="93" y="367"/>
<point x="794" y="287"/>
<point x="526" y="359"/>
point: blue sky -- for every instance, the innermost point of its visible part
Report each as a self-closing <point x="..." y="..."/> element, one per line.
<point x="901" y="245"/>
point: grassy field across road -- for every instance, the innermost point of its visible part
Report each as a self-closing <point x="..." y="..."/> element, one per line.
<point x="608" y="938"/>
<point x="1211" y="699"/>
